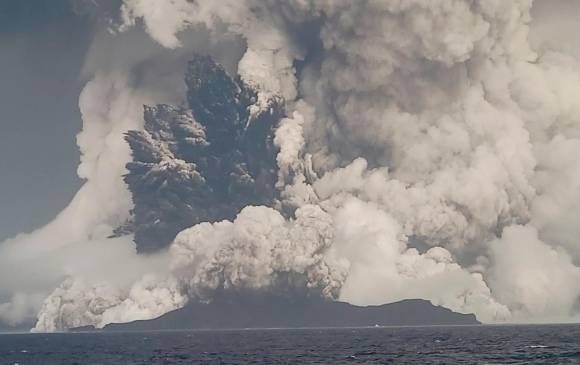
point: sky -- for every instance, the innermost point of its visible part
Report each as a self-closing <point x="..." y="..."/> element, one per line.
<point x="42" y="49"/>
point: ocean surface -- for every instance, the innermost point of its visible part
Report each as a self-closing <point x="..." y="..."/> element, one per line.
<point x="417" y="345"/>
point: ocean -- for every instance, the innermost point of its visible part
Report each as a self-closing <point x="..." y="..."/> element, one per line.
<point x="548" y="344"/>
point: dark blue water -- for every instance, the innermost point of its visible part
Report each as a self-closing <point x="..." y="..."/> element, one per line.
<point x="427" y="345"/>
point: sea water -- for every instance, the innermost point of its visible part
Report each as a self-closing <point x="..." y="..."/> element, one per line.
<point x="557" y="344"/>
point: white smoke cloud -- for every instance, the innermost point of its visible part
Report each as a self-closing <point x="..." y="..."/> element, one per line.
<point x="532" y="278"/>
<point x="77" y="302"/>
<point x="382" y="268"/>
<point x="256" y="248"/>
<point x="555" y="23"/>
<point x="429" y="148"/>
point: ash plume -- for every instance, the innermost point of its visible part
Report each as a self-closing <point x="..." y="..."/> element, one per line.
<point x="204" y="163"/>
<point x="404" y="149"/>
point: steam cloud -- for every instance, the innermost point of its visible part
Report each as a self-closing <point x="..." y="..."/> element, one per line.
<point x="427" y="150"/>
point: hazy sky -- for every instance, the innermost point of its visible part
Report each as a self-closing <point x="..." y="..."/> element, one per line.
<point x="42" y="47"/>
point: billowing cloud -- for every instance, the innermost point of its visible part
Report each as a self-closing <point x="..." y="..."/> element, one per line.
<point x="531" y="277"/>
<point x="426" y="151"/>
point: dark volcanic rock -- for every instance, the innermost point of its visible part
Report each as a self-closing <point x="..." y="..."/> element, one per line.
<point x="202" y="163"/>
<point x="269" y="311"/>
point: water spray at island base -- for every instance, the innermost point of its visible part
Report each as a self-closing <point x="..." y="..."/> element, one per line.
<point x="405" y="150"/>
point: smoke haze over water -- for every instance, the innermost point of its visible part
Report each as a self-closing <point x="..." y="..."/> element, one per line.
<point x="427" y="150"/>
